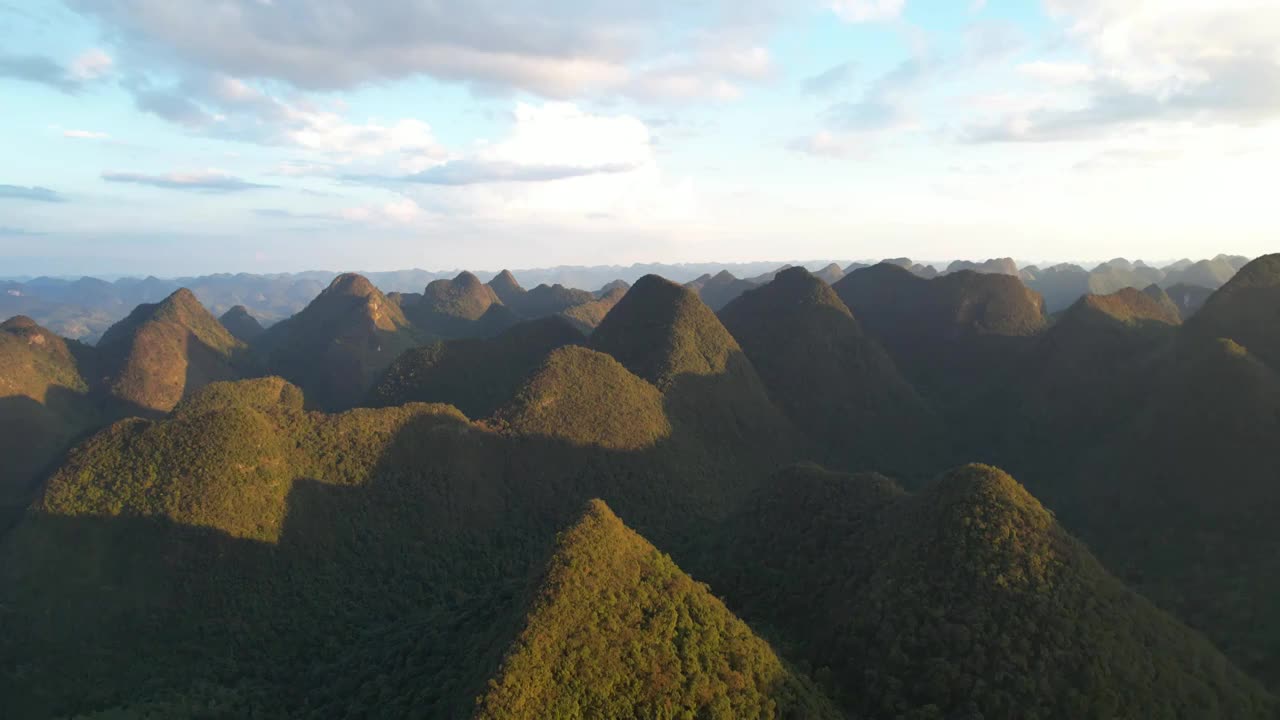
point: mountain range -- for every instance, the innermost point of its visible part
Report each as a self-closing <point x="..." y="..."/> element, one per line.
<point x="84" y="308"/>
<point x="788" y="495"/>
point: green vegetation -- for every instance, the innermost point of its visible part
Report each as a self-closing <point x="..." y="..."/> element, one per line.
<point x="476" y="375"/>
<point x="832" y="380"/>
<point x="588" y="316"/>
<point x="340" y="344"/>
<point x="618" y="631"/>
<point x="588" y="398"/>
<point x="1246" y="310"/>
<point x="244" y="555"/>
<point x="461" y="307"/>
<point x="44" y="405"/>
<point x="964" y="600"/>
<point x="163" y="351"/>
<point x="663" y="333"/>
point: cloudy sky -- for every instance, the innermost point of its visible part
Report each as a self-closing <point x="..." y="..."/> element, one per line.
<point x="182" y="136"/>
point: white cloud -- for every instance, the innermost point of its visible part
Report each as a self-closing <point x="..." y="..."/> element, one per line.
<point x="560" y="49"/>
<point x="1157" y="63"/>
<point x="85" y="135"/>
<point x="861" y="11"/>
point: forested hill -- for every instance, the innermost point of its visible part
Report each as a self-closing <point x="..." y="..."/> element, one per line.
<point x="513" y="500"/>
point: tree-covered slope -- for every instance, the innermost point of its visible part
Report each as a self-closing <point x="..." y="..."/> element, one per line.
<point x="1246" y="310"/>
<point x="617" y="630"/>
<point x="835" y="382"/>
<point x="588" y="316"/>
<point x="45" y="404"/>
<point x="955" y="336"/>
<point x="461" y="307"/>
<point x="965" y="599"/>
<point x="337" y="346"/>
<point x="163" y="351"/>
<point x="588" y="399"/>
<point x="1180" y="499"/>
<point x="477" y="375"/>
<point x="663" y="333"/>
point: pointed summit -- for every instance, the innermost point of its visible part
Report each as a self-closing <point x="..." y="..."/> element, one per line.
<point x="504" y="285"/>
<point x="830" y="273"/>
<point x="831" y="379"/>
<point x="685" y="654"/>
<point x="662" y="332"/>
<point x="338" y="344"/>
<point x="720" y="289"/>
<point x="240" y="323"/>
<point x="164" y="350"/>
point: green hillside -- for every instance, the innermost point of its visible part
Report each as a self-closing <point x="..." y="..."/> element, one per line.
<point x="45" y="404"/>
<point x="164" y="351"/>
<point x="831" y="379"/>
<point x="617" y="630"/>
<point x="963" y="600"/>
<point x="587" y="398"/>
<point x="340" y="344"/>
<point x="477" y="375"/>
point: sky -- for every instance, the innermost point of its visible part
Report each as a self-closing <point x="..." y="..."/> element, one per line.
<point x="191" y="136"/>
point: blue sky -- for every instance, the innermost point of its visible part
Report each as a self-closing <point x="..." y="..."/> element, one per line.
<point x="183" y="136"/>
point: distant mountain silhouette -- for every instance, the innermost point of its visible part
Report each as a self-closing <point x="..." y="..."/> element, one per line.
<point x="720" y="289"/>
<point x="1003" y="266"/>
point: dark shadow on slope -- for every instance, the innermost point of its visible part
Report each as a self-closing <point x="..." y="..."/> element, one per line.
<point x="394" y="588"/>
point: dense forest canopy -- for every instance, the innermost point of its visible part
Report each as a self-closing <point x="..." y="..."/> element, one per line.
<point x="790" y="495"/>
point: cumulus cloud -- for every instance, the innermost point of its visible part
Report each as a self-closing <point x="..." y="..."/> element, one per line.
<point x="861" y="11"/>
<point x="206" y="181"/>
<point x="34" y="193"/>
<point x="834" y="78"/>
<point x="553" y="48"/>
<point x="1179" y="61"/>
